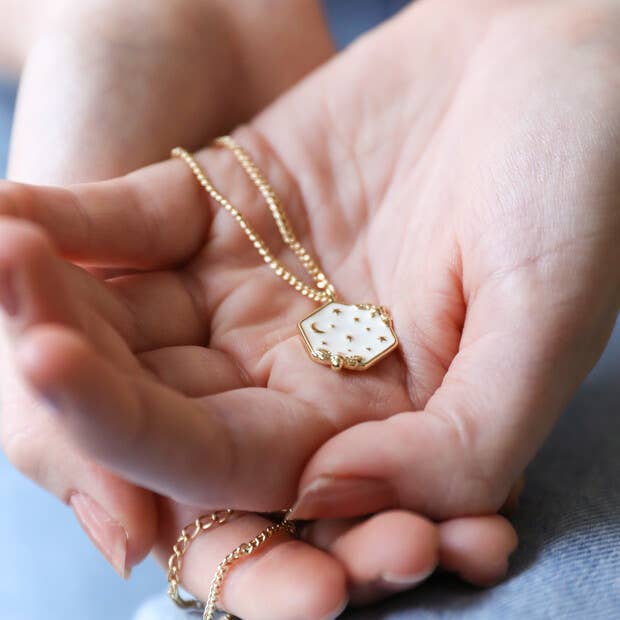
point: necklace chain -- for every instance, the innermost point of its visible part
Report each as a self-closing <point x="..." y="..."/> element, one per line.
<point x="324" y="291"/>
<point x="190" y="533"/>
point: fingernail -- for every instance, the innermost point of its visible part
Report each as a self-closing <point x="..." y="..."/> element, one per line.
<point x="406" y="581"/>
<point x="107" y="535"/>
<point x="330" y="496"/>
<point x="8" y="294"/>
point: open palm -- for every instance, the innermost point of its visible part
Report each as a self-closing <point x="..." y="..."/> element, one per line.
<point x="425" y="178"/>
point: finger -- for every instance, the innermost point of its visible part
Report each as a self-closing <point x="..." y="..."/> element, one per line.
<point x="119" y="517"/>
<point x="137" y="307"/>
<point x="283" y="579"/>
<point x="155" y="217"/>
<point x="162" y="309"/>
<point x="195" y="371"/>
<point x="477" y="548"/>
<point x="397" y="550"/>
<point x="38" y="287"/>
<point x="30" y="274"/>
<point x="517" y="366"/>
<point x="205" y="452"/>
<point x="387" y="553"/>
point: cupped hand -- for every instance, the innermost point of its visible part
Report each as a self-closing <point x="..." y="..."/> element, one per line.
<point x="112" y="73"/>
<point x="98" y="63"/>
<point x="476" y="203"/>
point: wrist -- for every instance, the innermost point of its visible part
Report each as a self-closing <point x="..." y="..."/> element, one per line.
<point x="277" y="42"/>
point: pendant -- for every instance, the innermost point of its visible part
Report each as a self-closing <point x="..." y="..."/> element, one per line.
<point x="354" y="337"/>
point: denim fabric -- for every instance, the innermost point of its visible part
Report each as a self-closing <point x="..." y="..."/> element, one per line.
<point x="567" y="567"/>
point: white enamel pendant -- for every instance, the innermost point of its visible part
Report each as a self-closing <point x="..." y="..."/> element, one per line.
<point x="348" y="336"/>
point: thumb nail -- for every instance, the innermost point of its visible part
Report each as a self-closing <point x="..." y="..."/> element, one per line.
<point x="335" y="497"/>
<point x="109" y="536"/>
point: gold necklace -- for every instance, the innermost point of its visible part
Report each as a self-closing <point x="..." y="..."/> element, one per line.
<point x="340" y="335"/>
<point x="186" y="538"/>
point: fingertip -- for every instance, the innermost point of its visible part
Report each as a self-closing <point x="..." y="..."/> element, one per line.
<point x="285" y="579"/>
<point x="21" y="244"/>
<point x="20" y="239"/>
<point x="118" y="517"/>
<point x="477" y="548"/>
<point x="303" y="582"/>
<point x="387" y="553"/>
<point x="322" y="584"/>
<point x="47" y="355"/>
<point x="137" y="510"/>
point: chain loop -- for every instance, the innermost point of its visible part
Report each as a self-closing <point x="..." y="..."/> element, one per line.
<point x="187" y="536"/>
<point x="190" y="533"/>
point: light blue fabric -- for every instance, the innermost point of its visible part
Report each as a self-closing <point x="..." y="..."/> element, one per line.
<point x="7" y="102"/>
<point x="568" y="565"/>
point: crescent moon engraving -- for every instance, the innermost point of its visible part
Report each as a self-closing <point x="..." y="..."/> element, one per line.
<point x="315" y="329"/>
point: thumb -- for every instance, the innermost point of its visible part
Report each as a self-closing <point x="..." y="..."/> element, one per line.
<point x="523" y="352"/>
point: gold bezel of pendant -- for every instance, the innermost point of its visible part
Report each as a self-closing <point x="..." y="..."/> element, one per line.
<point x="339" y="360"/>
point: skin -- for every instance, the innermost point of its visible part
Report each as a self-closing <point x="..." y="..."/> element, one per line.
<point x="504" y="220"/>
<point x="79" y="53"/>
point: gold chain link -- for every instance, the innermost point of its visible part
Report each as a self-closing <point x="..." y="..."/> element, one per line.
<point x="187" y="536"/>
<point x="243" y="550"/>
<point x="324" y="291"/>
<point x="190" y="533"/>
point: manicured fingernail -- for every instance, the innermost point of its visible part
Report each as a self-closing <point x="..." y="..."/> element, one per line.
<point x="8" y="294"/>
<point x="107" y="535"/>
<point x="330" y="496"/>
<point x="402" y="582"/>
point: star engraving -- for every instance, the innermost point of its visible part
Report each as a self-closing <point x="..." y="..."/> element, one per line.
<point x="356" y="319"/>
<point x="349" y="337"/>
<point x="368" y="329"/>
<point x="336" y="310"/>
<point x="382" y="339"/>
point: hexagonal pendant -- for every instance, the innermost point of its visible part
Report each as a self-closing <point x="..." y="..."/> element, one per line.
<point x="348" y="336"/>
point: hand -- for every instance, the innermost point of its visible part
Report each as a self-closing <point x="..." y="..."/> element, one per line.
<point x="108" y="86"/>
<point x="456" y="484"/>
<point x="98" y="63"/>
